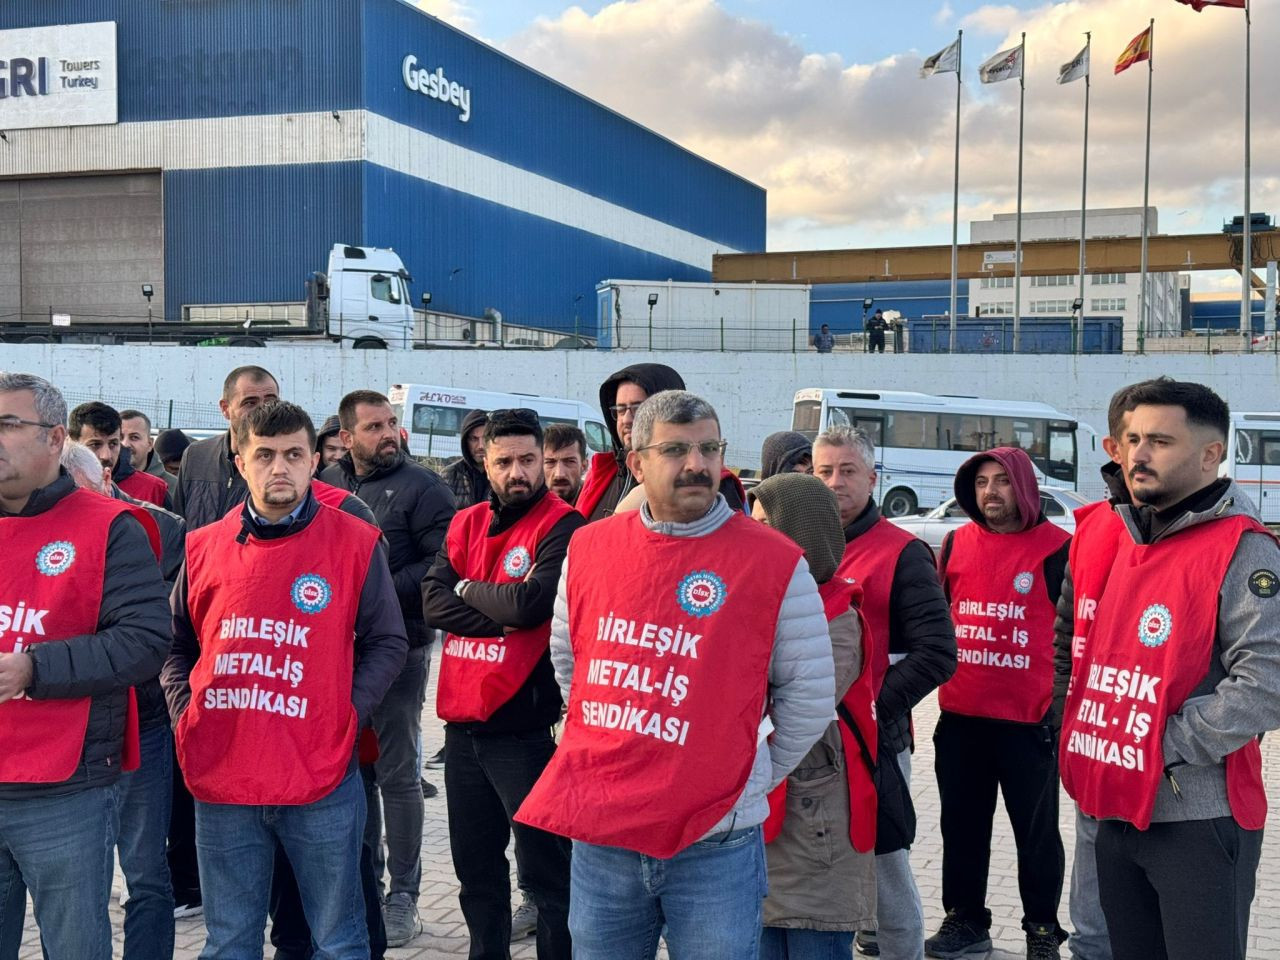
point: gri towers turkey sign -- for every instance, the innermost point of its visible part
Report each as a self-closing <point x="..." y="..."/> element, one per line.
<point x="63" y="76"/>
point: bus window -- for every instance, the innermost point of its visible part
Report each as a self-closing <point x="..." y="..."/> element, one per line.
<point x="597" y="437"/>
<point x="437" y="421"/>
<point x="1061" y="463"/>
<point x="916" y="431"/>
<point x="807" y="418"/>
<point x="1247" y="447"/>
<point x="870" y="422"/>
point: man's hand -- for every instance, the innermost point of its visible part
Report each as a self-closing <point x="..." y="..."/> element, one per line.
<point x="16" y="670"/>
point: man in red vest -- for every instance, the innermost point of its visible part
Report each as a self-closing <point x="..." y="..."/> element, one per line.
<point x="1178" y="680"/>
<point x="83" y="618"/>
<point x="492" y="587"/>
<point x="287" y="632"/>
<point x="692" y="646"/>
<point x="1002" y="572"/>
<point x="135" y="427"/>
<point x="98" y="427"/>
<point x="915" y="650"/>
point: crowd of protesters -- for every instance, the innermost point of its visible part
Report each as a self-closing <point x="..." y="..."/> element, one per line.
<point x="688" y="704"/>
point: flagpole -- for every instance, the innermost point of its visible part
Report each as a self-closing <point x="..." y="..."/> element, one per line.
<point x="1017" y="253"/>
<point x="1146" y="193"/>
<point x="1246" y="250"/>
<point x="955" y="196"/>
<point x="1084" y="186"/>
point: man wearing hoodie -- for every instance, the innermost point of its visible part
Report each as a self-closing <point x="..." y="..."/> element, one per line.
<point x="785" y="452"/>
<point x="466" y="476"/>
<point x="329" y="444"/>
<point x="1002" y="573"/>
<point x="1180" y="677"/>
<point x="609" y="479"/>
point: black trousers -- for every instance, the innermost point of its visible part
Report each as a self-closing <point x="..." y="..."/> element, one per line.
<point x="1177" y="891"/>
<point x="184" y="870"/>
<point x="486" y="778"/>
<point x="875" y="341"/>
<point x="973" y="756"/>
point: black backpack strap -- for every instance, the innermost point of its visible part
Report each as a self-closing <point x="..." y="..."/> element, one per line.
<point x="849" y="722"/>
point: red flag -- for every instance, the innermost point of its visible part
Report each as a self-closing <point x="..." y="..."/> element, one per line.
<point x="1199" y="5"/>
<point x="1139" y="49"/>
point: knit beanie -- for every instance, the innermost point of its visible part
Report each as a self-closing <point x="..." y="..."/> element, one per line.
<point x="781" y="451"/>
<point x="801" y="507"/>
<point x="170" y="444"/>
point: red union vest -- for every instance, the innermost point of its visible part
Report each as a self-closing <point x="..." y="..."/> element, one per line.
<point x="604" y="467"/>
<point x="871" y="559"/>
<point x="1004" y="622"/>
<point x="479" y="674"/>
<point x="328" y="494"/>
<point x="52" y="590"/>
<point x="144" y="486"/>
<point x="1148" y="650"/>
<point x="1099" y="533"/>
<point x="838" y="596"/>
<point x="271" y="720"/>
<point x="672" y="667"/>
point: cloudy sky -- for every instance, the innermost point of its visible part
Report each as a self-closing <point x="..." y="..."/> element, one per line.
<point x="820" y="102"/>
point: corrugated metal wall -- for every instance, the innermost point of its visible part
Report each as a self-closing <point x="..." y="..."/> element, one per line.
<point x="840" y="304"/>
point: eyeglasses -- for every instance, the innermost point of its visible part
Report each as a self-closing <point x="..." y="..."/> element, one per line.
<point x="518" y="414"/>
<point x="11" y="424"/>
<point x="679" y="449"/>
<point x="618" y="409"/>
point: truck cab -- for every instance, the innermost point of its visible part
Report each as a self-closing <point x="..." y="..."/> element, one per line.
<point x="366" y="296"/>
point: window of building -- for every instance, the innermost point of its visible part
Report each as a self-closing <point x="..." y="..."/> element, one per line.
<point x="1050" y="306"/>
<point x="1108" y="305"/>
<point x="1109" y="279"/>
<point x="997" y="283"/>
<point x="997" y="308"/>
<point x="1053" y="281"/>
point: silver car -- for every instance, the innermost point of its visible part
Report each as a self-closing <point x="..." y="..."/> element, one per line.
<point x="1058" y="504"/>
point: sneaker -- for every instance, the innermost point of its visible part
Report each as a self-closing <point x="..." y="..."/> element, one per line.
<point x="1043" y="941"/>
<point x="957" y="938"/>
<point x="400" y="915"/>
<point x="436" y="762"/>
<point x="428" y="789"/>
<point x="867" y="943"/>
<point x="524" y="922"/>
<point x="183" y="910"/>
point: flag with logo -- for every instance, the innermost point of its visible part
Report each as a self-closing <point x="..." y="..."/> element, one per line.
<point x="1139" y="49"/>
<point x="1077" y="68"/>
<point x="944" y="61"/>
<point x="1199" y="5"/>
<point x="1005" y="65"/>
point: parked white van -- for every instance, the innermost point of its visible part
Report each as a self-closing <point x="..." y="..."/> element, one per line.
<point x="432" y="416"/>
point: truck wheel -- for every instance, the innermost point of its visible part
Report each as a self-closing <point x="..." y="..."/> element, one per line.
<point x="245" y="342"/>
<point x="37" y="338"/>
<point x="899" y="502"/>
<point x="369" y="343"/>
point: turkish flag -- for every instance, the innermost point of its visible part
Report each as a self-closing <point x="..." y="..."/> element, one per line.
<point x="1199" y="5"/>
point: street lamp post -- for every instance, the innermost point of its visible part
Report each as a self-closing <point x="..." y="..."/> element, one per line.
<point x="867" y="303"/>
<point x="653" y="302"/>
<point x="148" y="291"/>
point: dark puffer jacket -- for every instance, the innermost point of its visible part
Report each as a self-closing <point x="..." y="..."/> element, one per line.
<point x="465" y="477"/>
<point x="127" y="649"/>
<point x="209" y="484"/>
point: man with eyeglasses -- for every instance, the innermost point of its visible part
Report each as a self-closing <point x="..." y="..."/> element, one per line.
<point x="703" y="675"/>
<point x="609" y="479"/>
<point x="492" y="587"/>
<point x="83" y="617"/>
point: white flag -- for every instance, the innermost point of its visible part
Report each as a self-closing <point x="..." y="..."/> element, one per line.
<point x="1005" y="65"/>
<point x="1077" y="68"/>
<point x="944" y="61"/>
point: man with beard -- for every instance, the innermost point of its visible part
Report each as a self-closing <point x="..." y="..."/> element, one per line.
<point x="413" y="508"/>
<point x="1002" y="573"/>
<point x="564" y="458"/>
<point x="466" y="476"/>
<point x="493" y="588"/>
<point x="99" y="428"/>
<point x="136" y="435"/>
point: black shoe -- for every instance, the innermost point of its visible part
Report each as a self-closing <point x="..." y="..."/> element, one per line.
<point x="867" y="943"/>
<point x="957" y="938"/>
<point x="1043" y="941"/>
<point x="428" y="789"/>
<point x="435" y="762"/>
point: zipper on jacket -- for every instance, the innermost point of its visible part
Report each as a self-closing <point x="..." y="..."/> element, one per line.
<point x="1173" y="784"/>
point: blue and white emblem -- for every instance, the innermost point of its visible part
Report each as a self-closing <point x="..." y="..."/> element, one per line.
<point x="54" y="558"/>
<point x="310" y="593"/>
<point x="517" y="562"/>
<point x="701" y="593"/>
<point x="1155" y="625"/>
<point x="1024" y="581"/>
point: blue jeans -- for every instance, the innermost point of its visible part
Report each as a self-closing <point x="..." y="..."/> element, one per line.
<point x="236" y="845"/>
<point x="143" y="801"/>
<point x="708" y="896"/>
<point x="777" y="943"/>
<point x="61" y="847"/>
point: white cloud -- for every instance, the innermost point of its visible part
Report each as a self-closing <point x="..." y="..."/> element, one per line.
<point x="453" y="12"/>
<point x="944" y="15"/>
<point x="993" y="18"/>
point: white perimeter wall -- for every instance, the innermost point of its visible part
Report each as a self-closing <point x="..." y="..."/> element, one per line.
<point x="752" y="392"/>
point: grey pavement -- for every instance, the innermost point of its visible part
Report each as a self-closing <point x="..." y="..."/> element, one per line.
<point x="445" y="934"/>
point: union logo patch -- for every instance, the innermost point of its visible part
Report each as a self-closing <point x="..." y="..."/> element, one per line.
<point x="1155" y="625"/>
<point x="1024" y="581"/>
<point x="54" y="558"/>
<point x="517" y="562"/>
<point x="310" y="593"/>
<point x="701" y="593"/>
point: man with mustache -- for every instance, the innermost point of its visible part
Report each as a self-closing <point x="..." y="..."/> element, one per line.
<point x="413" y="508"/>
<point x="1002" y="573"/>
<point x="564" y="458"/>
<point x="493" y="587"/>
<point x="1180" y="676"/>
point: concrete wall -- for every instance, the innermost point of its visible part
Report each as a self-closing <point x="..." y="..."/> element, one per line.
<point x="752" y="392"/>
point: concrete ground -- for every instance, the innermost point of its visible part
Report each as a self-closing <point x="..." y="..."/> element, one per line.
<point x="445" y="934"/>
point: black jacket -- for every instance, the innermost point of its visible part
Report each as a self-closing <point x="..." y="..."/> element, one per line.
<point x="126" y="649"/>
<point x="209" y="484"/>
<point x="920" y="629"/>
<point x="413" y="507"/>
<point x="490" y="606"/>
<point x="380" y="644"/>
<point x="465" y="477"/>
<point x="125" y="469"/>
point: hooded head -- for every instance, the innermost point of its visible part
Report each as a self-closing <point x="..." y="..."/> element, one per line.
<point x="476" y="418"/>
<point x="651" y="378"/>
<point x="1022" y="480"/>
<point x="782" y="451"/>
<point x="801" y="507"/>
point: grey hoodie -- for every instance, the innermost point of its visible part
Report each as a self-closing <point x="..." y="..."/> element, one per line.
<point x="1239" y="698"/>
